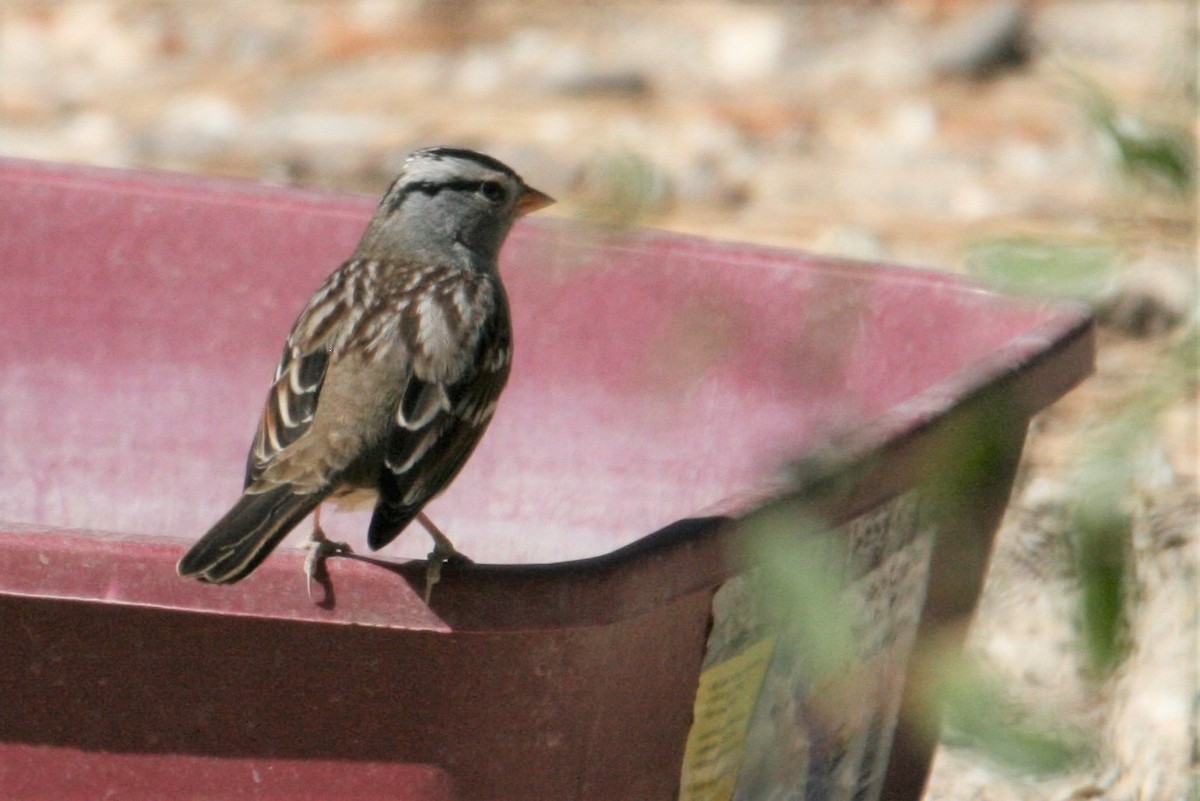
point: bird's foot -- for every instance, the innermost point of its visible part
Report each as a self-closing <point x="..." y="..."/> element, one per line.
<point x="443" y="553"/>
<point x="319" y="549"/>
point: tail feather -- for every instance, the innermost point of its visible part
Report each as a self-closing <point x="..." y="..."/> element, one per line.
<point x="388" y="522"/>
<point x="246" y="535"/>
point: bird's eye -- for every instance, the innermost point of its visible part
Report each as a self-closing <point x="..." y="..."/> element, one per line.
<point x="493" y="191"/>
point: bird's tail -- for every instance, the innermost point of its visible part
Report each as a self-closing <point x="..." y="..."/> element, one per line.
<point x="246" y="534"/>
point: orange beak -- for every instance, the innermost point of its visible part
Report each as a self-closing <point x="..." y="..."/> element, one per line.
<point x="531" y="200"/>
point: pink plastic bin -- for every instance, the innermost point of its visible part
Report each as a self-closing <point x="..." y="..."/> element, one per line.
<point x="607" y="644"/>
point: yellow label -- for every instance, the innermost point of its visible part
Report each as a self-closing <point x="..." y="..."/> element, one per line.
<point x="725" y="703"/>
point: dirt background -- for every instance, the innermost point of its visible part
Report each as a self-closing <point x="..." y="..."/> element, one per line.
<point x="928" y="132"/>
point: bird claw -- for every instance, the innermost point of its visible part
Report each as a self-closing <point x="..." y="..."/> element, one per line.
<point x="319" y="549"/>
<point x="443" y="553"/>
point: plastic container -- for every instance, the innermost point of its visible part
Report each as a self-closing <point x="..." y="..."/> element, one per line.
<point x="658" y="384"/>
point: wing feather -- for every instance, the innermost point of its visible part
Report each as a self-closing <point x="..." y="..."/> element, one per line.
<point x="292" y="399"/>
<point x="437" y="429"/>
<point x="289" y="410"/>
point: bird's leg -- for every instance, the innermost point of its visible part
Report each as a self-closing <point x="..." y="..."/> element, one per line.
<point x="443" y="548"/>
<point x="443" y="552"/>
<point x="319" y="549"/>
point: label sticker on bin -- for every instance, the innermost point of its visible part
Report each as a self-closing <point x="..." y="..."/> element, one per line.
<point x="766" y="723"/>
<point x="725" y="702"/>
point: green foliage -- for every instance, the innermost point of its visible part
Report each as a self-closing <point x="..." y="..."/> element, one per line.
<point x="1106" y="482"/>
<point x="980" y="713"/>
<point x="1101" y="532"/>
<point x="975" y="449"/>
<point x="1079" y="270"/>
<point x="1160" y="153"/>
<point x="802" y="571"/>
<point x="619" y="190"/>
<point x="1105" y="473"/>
<point x="1165" y="154"/>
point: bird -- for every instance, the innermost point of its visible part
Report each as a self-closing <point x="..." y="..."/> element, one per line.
<point x="390" y="374"/>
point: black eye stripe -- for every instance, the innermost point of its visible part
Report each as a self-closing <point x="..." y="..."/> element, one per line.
<point x="431" y="188"/>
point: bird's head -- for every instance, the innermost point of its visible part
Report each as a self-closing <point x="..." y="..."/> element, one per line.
<point x="446" y="197"/>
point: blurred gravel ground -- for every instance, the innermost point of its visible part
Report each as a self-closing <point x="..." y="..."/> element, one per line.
<point x="913" y="130"/>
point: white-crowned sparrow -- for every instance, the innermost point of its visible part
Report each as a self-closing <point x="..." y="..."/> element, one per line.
<point x="391" y="372"/>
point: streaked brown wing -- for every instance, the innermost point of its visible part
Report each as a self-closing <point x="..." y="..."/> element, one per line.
<point x="290" y="407"/>
<point x="437" y="429"/>
<point x="292" y="400"/>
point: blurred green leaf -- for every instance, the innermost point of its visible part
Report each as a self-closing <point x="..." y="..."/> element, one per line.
<point x="619" y="190"/>
<point x="1106" y="486"/>
<point x="1102" y="540"/>
<point x="975" y="447"/>
<point x="802" y="570"/>
<point x="1160" y="152"/>
<point x="1163" y="153"/>
<point x="979" y="713"/>
<point x="1046" y="268"/>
